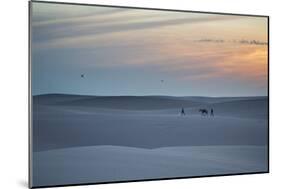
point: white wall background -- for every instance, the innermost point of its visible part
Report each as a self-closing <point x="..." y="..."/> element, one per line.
<point x="14" y="93"/>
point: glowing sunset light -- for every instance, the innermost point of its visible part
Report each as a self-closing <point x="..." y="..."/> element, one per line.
<point x="186" y="49"/>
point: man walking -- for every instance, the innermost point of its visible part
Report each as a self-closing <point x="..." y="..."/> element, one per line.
<point x="182" y="112"/>
<point x="212" y="112"/>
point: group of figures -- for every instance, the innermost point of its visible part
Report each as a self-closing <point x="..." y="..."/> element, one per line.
<point x="204" y="112"/>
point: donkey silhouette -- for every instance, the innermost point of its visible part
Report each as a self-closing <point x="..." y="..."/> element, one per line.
<point x="203" y="112"/>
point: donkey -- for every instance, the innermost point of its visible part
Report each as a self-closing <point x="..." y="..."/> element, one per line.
<point x="203" y="112"/>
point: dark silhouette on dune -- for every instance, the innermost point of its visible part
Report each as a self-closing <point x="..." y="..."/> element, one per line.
<point x="212" y="112"/>
<point x="182" y="112"/>
<point x="204" y="112"/>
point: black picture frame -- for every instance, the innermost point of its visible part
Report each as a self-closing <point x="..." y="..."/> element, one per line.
<point x="141" y="8"/>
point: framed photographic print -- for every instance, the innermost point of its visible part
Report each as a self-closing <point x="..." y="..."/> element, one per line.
<point x="121" y="94"/>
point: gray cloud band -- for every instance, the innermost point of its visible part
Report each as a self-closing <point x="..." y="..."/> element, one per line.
<point x="247" y="42"/>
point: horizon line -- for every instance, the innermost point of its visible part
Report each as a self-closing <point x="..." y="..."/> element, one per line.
<point x="155" y="95"/>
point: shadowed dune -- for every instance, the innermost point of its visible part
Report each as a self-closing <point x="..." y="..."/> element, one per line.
<point x="116" y="102"/>
<point x="149" y="102"/>
<point x="146" y="122"/>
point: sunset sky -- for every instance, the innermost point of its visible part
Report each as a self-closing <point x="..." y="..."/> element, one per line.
<point x="146" y="52"/>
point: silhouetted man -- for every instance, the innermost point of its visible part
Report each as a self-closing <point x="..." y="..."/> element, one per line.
<point x="212" y="112"/>
<point x="182" y="112"/>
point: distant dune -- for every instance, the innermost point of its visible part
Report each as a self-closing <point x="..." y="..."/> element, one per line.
<point x="212" y="100"/>
<point x="116" y="102"/>
<point x="57" y="98"/>
<point x="146" y="102"/>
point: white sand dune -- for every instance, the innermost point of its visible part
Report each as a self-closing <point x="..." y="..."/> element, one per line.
<point x="61" y="126"/>
<point x="115" y="163"/>
<point x="80" y="139"/>
<point x="67" y="128"/>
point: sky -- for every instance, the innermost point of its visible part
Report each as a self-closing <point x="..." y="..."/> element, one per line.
<point x="123" y="51"/>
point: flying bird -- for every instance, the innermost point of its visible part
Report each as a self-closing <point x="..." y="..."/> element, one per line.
<point x="82" y="75"/>
<point x="162" y="81"/>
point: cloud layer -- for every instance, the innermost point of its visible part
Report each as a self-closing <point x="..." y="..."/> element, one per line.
<point x="196" y="54"/>
<point x="242" y="41"/>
